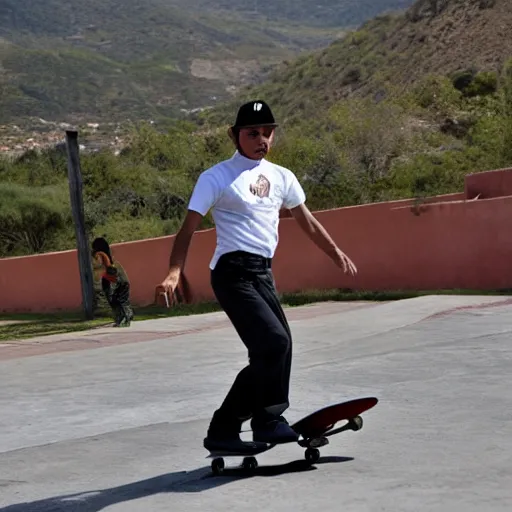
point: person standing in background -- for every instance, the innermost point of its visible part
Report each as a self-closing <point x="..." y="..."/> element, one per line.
<point x="114" y="282"/>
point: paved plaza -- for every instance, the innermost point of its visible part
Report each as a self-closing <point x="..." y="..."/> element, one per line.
<point x="114" y="419"/>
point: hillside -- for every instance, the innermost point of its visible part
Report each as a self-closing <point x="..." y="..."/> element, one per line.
<point x="403" y="107"/>
<point x="389" y="54"/>
<point x="72" y="60"/>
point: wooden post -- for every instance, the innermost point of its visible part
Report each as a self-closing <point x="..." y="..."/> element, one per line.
<point x="83" y="251"/>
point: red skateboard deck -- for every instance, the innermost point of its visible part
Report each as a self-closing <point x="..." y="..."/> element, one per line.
<point x="323" y="420"/>
<point x="314" y="430"/>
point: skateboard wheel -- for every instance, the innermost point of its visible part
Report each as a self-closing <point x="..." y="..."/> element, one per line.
<point x="312" y="455"/>
<point x="250" y="463"/>
<point x="217" y="466"/>
<point x="356" y="423"/>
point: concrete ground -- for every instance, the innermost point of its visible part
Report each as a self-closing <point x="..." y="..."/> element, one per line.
<point x="114" y="419"/>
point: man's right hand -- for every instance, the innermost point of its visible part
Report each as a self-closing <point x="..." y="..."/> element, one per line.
<point x="170" y="283"/>
<point x="179" y="251"/>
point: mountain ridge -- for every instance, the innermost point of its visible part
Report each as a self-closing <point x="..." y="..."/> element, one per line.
<point x="390" y="54"/>
<point x="67" y="60"/>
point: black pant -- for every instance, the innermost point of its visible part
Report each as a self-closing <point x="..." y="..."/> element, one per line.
<point x="118" y="297"/>
<point x="244" y="286"/>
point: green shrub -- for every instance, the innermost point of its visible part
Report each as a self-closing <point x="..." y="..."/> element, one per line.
<point x="476" y="84"/>
<point x="438" y="94"/>
<point x="29" y="223"/>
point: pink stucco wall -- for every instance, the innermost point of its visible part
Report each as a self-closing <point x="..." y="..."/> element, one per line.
<point x="489" y="184"/>
<point x="448" y="242"/>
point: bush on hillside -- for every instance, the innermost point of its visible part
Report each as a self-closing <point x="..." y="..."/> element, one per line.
<point x="437" y="94"/>
<point x="29" y="223"/>
<point x="369" y="135"/>
<point x="472" y="83"/>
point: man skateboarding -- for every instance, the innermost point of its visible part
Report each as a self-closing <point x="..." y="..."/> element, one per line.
<point x="245" y="194"/>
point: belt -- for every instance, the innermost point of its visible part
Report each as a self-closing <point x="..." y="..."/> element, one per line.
<point x="246" y="260"/>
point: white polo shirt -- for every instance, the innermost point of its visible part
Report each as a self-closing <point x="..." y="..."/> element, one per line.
<point x="245" y="197"/>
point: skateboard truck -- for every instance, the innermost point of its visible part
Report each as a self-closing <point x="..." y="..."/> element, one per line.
<point x="313" y="442"/>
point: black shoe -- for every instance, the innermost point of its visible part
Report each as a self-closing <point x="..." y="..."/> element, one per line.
<point x="233" y="445"/>
<point x="273" y="431"/>
<point x="224" y="436"/>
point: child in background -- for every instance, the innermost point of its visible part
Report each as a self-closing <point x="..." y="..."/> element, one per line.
<point x="114" y="282"/>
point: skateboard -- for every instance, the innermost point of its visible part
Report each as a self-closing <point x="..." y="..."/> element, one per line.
<point x="314" y="431"/>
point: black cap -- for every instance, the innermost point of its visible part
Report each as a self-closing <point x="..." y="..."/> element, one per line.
<point x="254" y="113"/>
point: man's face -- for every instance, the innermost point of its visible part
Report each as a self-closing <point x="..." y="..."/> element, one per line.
<point x="256" y="142"/>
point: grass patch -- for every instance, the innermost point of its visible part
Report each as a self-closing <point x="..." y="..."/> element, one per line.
<point x="312" y="296"/>
<point x="29" y="325"/>
<point x="43" y="327"/>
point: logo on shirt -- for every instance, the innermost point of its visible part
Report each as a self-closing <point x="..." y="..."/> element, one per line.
<point x="261" y="188"/>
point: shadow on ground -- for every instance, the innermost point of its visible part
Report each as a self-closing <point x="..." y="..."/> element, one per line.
<point x="198" y="480"/>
